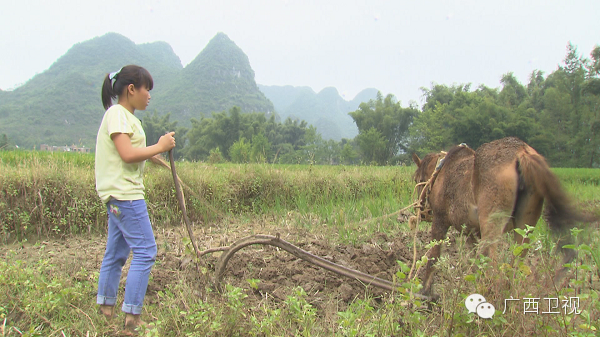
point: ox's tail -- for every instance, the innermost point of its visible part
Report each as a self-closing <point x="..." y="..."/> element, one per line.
<point x="559" y="211"/>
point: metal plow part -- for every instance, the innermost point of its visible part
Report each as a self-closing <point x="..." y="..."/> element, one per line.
<point x="270" y="240"/>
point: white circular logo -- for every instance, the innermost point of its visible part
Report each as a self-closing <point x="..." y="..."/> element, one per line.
<point x="476" y="303"/>
<point x="485" y="310"/>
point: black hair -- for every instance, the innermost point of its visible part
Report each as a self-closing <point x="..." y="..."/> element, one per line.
<point x="131" y="74"/>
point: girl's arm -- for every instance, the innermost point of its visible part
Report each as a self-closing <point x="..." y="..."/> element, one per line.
<point x="131" y="154"/>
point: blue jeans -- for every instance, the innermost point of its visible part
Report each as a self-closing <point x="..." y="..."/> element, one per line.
<point x="129" y="229"/>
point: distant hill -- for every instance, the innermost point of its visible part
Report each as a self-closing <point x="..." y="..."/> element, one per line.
<point x="62" y="105"/>
<point x="219" y="78"/>
<point x="326" y="110"/>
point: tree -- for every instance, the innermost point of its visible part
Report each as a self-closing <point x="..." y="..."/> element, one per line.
<point x="202" y="137"/>
<point x="566" y="113"/>
<point x="260" y="151"/>
<point x="348" y="155"/>
<point x="439" y="125"/>
<point x="215" y="156"/>
<point x="226" y="128"/>
<point x="310" y="151"/>
<point x="431" y="131"/>
<point x="390" y="120"/>
<point x="221" y="131"/>
<point x="240" y="151"/>
<point x="473" y="118"/>
<point x="372" y="145"/>
<point x="512" y="93"/>
<point x="287" y="155"/>
<point x="440" y="94"/>
<point x="535" y="89"/>
<point x="293" y="132"/>
<point x="594" y="65"/>
<point x="4" y="142"/>
<point x="330" y="153"/>
<point x="591" y="92"/>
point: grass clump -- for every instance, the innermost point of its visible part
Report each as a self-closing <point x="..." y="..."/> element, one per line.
<point x="44" y="194"/>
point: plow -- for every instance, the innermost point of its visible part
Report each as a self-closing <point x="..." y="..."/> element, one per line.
<point x="276" y="241"/>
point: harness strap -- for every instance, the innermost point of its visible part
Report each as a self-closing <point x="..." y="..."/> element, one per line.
<point x="424" y="207"/>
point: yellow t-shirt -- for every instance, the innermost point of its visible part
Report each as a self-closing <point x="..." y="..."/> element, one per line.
<point x="114" y="177"/>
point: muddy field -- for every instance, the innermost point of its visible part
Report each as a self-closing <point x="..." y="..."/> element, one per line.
<point x="278" y="271"/>
<point x="275" y="272"/>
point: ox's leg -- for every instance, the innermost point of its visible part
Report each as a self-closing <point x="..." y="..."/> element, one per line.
<point x="439" y="229"/>
<point x="496" y="200"/>
<point x="528" y="210"/>
<point x="492" y="223"/>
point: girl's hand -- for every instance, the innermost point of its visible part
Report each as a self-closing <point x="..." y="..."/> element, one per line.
<point x="131" y="154"/>
<point x="167" y="142"/>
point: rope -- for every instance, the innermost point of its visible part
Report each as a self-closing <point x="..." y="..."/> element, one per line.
<point x="422" y="205"/>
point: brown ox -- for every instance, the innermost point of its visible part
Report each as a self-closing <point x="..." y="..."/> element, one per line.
<point x="499" y="187"/>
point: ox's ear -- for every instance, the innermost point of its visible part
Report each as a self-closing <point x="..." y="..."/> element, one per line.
<point x="416" y="159"/>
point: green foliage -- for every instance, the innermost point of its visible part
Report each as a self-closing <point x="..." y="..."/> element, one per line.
<point x="261" y="148"/>
<point x="214" y="102"/>
<point x="464" y="117"/>
<point x="290" y="142"/>
<point x="383" y="128"/>
<point x="215" y="156"/>
<point x="53" y="112"/>
<point x="156" y="126"/>
<point x="45" y="193"/>
<point x="372" y="145"/>
<point x="5" y="143"/>
<point x="299" y="313"/>
<point x="42" y="297"/>
<point x="239" y="152"/>
<point x="219" y="78"/>
<point x="559" y="115"/>
<point x="348" y="155"/>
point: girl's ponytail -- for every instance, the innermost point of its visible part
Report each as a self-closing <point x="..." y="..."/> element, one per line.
<point x="115" y="83"/>
<point x="107" y="92"/>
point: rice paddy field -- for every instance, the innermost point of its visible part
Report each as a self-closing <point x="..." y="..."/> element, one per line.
<point x="53" y="232"/>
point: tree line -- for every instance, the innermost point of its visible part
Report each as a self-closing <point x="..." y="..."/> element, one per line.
<point x="558" y="115"/>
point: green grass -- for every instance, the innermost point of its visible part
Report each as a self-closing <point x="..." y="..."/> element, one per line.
<point x="582" y="184"/>
<point x="23" y="158"/>
<point x="44" y="193"/>
<point x="48" y="201"/>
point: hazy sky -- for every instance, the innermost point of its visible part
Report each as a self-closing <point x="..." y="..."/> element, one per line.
<point x="394" y="46"/>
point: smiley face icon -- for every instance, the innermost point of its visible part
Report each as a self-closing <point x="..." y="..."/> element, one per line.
<point x="485" y="310"/>
<point x="472" y="301"/>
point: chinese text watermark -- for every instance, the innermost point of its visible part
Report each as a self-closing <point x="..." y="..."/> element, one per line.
<point x="476" y="303"/>
<point x="550" y="305"/>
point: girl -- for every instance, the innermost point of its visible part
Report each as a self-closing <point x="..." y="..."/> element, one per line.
<point x="120" y="155"/>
